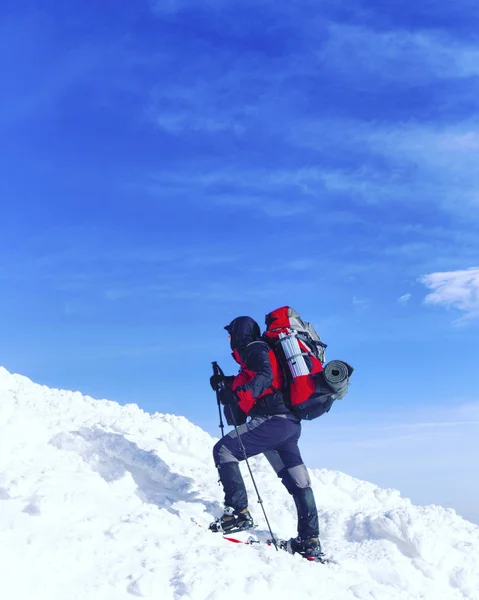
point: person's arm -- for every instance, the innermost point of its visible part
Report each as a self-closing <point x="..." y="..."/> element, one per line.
<point x="258" y="366"/>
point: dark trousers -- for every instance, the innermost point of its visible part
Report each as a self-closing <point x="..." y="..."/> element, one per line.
<point x="277" y="438"/>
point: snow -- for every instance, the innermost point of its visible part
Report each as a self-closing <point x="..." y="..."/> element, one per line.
<point x="97" y="502"/>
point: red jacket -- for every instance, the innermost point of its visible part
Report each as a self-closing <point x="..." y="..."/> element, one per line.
<point x="260" y="378"/>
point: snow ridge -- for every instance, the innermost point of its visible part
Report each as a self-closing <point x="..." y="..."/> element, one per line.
<point x="97" y="502"/>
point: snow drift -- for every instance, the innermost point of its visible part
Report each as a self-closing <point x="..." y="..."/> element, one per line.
<point x="97" y="502"/>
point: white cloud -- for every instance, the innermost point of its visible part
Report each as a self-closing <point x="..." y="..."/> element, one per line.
<point x="405" y="298"/>
<point x="457" y="289"/>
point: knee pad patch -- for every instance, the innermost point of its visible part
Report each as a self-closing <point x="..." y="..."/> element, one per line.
<point x="295" y="478"/>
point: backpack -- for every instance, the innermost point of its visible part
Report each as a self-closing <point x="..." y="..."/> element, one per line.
<point x="310" y="386"/>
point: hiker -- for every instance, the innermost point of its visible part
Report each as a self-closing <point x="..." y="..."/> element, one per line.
<point x="272" y="430"/>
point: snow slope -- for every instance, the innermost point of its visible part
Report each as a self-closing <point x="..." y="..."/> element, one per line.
<point x="96" y="502"/>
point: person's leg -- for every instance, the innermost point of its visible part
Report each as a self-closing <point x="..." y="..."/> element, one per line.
<point x="287" y="462"/>
<point x="257" y="436"/>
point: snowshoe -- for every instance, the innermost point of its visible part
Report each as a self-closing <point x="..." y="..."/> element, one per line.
<point x="232" y="521"/>
<point x="310" y="549"/>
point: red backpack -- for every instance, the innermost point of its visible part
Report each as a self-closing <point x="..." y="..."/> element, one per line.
<point x="311" y="387"/>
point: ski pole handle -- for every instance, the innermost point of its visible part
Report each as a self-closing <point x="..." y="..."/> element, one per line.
<point x="217" y="370"/>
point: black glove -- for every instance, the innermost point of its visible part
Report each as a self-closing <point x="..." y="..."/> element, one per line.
<point x="227" y="396"/>
<point x="215" y="380"/>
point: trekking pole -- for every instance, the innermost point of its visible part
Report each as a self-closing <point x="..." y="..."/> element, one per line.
<point x="218" y="371"/>
<point x="260" y="501"/>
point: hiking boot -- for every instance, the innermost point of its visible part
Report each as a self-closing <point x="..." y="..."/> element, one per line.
<point x="309" y="548"/>
<point x="232" y="521"/>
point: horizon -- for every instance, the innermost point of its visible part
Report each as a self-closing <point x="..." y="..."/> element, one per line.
<point x="168" y="166"/>
<point x="329" y="442"/>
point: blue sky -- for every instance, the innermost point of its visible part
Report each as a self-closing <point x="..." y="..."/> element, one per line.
<point x="167" y="166"/>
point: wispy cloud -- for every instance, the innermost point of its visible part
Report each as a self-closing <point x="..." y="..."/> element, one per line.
<point x="413" y="164"/>
<point x="37" y="75"/>
<point x="407" y="450"/>
<point x="395" y="53"/>
<point x="394" y="424"/>
<point x="361" y="304"/>
<point x="404" y="299"/>
<point x="87" y="254"/>
<point x="298" y="146"/>
<point x="456" y="289"/>
<point x="173" y="6"/>
<point x="275" y="193"/>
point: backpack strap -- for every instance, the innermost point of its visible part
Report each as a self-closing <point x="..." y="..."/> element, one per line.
<point x="280" y="366"/>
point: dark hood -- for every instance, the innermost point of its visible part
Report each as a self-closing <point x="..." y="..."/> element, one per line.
<point x="243" y="331"/>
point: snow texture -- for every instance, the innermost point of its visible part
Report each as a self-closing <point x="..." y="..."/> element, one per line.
<point x="97" y="501"/>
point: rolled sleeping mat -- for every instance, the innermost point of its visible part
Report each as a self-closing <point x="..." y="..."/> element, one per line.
<point x="336" y="374"/>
